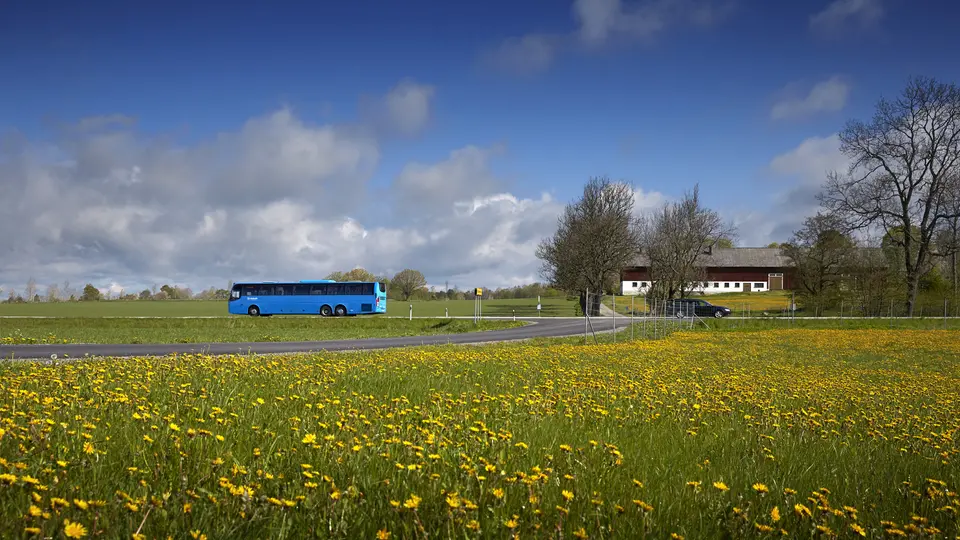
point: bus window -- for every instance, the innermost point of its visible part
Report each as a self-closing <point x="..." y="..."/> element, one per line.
<point x="383" y="288"/>
<point x="249" y="290"/>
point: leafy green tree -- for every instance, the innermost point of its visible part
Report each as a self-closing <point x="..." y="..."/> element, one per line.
<point x="408" y="282"/>
<point x="90" y="293"/>
<point x="820" y="254"/>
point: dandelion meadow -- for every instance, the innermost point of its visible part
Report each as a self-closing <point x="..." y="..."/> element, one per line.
<point x="797" y="433"/>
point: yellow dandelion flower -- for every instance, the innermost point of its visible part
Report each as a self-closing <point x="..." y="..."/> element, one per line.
<point x="72" y="529"/>
<point x="412" y="503"/>
<point x="721" y="486"/>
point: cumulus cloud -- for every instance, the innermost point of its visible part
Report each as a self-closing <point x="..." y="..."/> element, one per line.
<point x="465" y="174"/>
<point x="600" y="22"/>
<point x="279" y="198"/>
<point x="840" y="14"/>
<point x="797" y="176"/>
<point x="825" y="96"/>
<point x="405" y="110"/>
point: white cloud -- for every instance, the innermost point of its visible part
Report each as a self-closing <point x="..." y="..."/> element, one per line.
<point x="465" y="174"/>
<point x="600" y="22"/>
<point x="833" y="19"/>
<point x="645" y="201"/>
<point x="405" y="110"/>
<point x="797" y="176"/>
<point x="277" y="199"/>
<point x="826" y="96"/>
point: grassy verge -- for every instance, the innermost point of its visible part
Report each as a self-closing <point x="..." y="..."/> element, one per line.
<point x="663" y="328"/>
<point x="795" y="434"/>
<point x="742" y="304"/>
<point x="240" y="329"/>
<point x="522" y="307"/>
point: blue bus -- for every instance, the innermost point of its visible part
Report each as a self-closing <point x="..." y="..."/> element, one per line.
<point x="324" y="296"/>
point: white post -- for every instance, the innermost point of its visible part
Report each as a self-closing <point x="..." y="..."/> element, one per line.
<point x="446" y="312"/>
<point x="514" y="314"/>
<point x="411" y="312"/>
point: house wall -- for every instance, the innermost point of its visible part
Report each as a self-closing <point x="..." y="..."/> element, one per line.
<point x="636" y="281"/>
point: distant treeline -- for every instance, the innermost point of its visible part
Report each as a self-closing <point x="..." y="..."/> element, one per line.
<point x="407" y="284"/>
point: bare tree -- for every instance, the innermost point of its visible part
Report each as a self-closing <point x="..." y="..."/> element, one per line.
<point x="596" y="237"/>
<point x="408" y="282"/>
<point x="820" y="254"/>
<point x="903" y="170"/>
<point x="53" y="292"/>
<point x="674" y="239"/>
<point x="31" y="289"/>
<point x="872" y="282"/>
<point x="948" y="239"/>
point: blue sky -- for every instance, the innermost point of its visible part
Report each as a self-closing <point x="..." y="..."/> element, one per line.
<point x="690" y="102"/>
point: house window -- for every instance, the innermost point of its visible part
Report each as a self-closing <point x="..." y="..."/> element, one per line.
<point x="759" y="285"/>
<point x="726" y="285"/>
<point x="634" y="284"/>
<point x="716" y="285"/>
<point x="736" y="285"/>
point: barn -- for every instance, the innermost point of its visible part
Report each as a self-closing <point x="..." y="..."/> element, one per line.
<point x="728" y="270"/>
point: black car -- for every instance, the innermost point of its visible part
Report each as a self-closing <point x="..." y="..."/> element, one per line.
<point x="687" y="307"/>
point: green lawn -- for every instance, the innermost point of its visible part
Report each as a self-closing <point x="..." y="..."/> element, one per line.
<point x="525" y="307"/>
<point x="238" y="329"/>
<point x="742" y="304"/>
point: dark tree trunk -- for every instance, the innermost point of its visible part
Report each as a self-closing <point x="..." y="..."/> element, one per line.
<point x="594" y="308"/>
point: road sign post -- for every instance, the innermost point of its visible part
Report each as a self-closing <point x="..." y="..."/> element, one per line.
<point x="477" y="305"/>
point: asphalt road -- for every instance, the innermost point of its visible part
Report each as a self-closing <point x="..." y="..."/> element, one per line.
<point x="540" y="327"/>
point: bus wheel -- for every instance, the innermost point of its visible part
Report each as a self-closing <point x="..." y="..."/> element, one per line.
<point x="253" y="311"/>
<point x="340" y="311"/>
<point x="325" y="311"/>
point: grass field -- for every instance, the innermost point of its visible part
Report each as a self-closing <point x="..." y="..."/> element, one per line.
<point x="742" y="304"/>
<point x="240" y="329"/>
<point x="526" y="307"/>
<point x="799" y="433"/>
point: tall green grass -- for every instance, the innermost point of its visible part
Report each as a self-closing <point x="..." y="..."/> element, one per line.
<point x="700" y="435"/>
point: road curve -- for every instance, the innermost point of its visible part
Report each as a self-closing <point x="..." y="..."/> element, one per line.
<point x="539" y="327"/>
